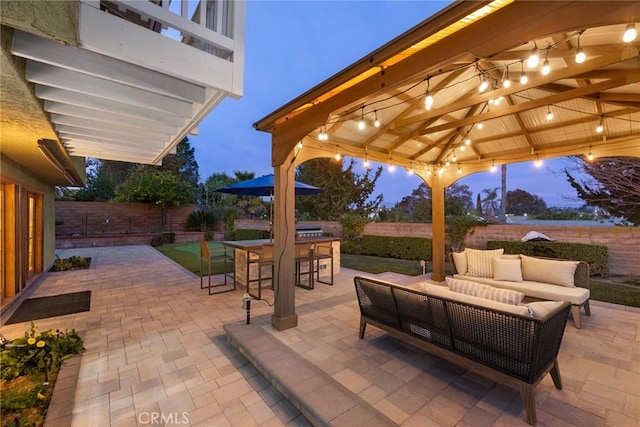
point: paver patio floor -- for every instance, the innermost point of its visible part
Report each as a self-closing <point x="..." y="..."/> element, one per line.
<point x="156" y="347"/>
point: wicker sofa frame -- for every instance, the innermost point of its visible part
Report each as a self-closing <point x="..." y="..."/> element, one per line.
<point x="580" y="278"/>
<point x="508" y="348"/>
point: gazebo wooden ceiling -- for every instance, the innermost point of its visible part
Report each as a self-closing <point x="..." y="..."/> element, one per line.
<point x="449" y="55"/>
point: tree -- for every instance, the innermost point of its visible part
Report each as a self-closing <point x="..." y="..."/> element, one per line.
<point x="613" y="185"/>
<point x="344" y="190"/>
<point x="148" y="184"/>
<point x="417" y="206"/>
<point x="521" y="202"/>
<point x="185" y="165"/>
<point x="479" y="205"/>
<point x="504" y="203"/>
<point x="490" y="204"/>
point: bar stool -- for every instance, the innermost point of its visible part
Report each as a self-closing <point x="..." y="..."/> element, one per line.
<point x="304" y="253"/>
<point x="263" y="258"/>
<point x="218" y="255"/>
<point x="323" y="250"/>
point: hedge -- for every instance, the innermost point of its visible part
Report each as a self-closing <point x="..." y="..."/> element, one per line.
<point x="410" y="248"/>
<point x="597" y="256"/>
<point x="250" y="234"/>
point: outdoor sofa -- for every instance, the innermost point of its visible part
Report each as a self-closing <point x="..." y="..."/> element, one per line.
<point x="512" y="344"/>
<point x="536" y="277"/>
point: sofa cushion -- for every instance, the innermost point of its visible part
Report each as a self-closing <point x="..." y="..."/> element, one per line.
<point x="506" y="296"/>
<point x="539" y="309"/>
<point x="460" y="260"/>
<point x="479" y="262"/>
<point x="444" y="292"/>
<point x="507" y="269"/>
<point x="545" y="291"/>
<point x="548" y="270"/>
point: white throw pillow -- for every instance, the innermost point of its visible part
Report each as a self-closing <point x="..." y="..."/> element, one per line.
<point x="549" y="271"/>
<point x="460" y="260"/>
<point x="479" y="262"/>
<point x="507" y="269"/>
<point x="506" y="296"/>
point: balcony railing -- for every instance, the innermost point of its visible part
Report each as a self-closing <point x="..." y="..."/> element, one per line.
<point x="207" y="25"/>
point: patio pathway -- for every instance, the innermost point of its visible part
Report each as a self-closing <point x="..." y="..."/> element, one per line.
<point x="155" y="347"/>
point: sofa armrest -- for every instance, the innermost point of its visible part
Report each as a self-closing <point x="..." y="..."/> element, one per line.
<point x="582" y="274"/>
<point x="453" y="264"/>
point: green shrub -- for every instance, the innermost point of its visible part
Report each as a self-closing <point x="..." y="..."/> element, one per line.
<point x="410" y="248"/>
<point x="208" y="235"/>
<point x="39" y="352"/>
<point x="597" y="256"/>
<point x="352" y="226"/>
<point x="169" y="237"/>
<point x="201" y="221"/>
<point x="354" y="248"/>
<point x="458" y="227"/>
<point x="157" y="240"/>
<point x="72" y="263"/>
<point x="251" y="234"/>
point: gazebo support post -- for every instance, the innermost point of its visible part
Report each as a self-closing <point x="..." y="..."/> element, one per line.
<point x="438" y="185"/>
<point x="284" y="313"/>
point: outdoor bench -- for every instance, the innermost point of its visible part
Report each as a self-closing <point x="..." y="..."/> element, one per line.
<point x="493" y="339"/>
<point x="536" y="277"/>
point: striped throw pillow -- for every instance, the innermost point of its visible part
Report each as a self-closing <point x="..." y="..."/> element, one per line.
<point x="506" y="296"/>
<point x="479" y="262"/>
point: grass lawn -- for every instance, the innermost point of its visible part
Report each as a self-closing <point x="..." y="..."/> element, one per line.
<point x="602" y="289"/>
<point x="188" y="256"/>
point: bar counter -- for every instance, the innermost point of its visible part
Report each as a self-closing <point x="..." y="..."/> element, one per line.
<point x="243" y="268"/>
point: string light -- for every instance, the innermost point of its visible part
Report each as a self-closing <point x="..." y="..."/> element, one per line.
<point x="549" y="113"/>
<point x="484" y="84"/>
<point x="322" y="136"/>
<point x="410" y="171"/>
<point x="459" y="169"/>
<point x="428" y="100"/>
<point x="454" y="158"/>
<point x="538" y="162"/>
<point x="590" y="155"/>
<point x="600" y="126"/>
<point x="546" y="67"/>
<point x="361" y="124"/>
<point x="376" y="123"/>
<point x="467" y="141"/>
<point x="506" y="83"/>
<point x="441" y="170"/>
<point x="392" y="167"/>
<point x="480" y="126"/>
<point x="493" y="166"/>
<point x="630" y="33"/>
<point x="337" y="156"/>
<point x="300" y="145"/>
<point x="523" y="77"/>
<point x="580" y="55"/>
<point x="533" y="60"/>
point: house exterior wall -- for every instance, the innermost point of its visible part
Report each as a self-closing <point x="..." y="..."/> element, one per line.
<point x="19" y="175"/>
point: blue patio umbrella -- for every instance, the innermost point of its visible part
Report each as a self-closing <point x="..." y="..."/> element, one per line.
<point x="263" y="186"/>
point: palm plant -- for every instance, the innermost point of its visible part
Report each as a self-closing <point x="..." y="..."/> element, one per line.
<point x="491" y="202"/>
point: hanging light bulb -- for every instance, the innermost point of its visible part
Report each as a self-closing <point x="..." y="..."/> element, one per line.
<point x="484" y="84"/>
<point x="600" y="126"/>
<point x="454" y="158"/>
<point x="462" y="148"/>
<point x="322" y="136"/>
<point x="506" y="83"/>
<point x="523" y="77"/>
<point x="429" y="170"/>
<point x="630" y="33"/>
<point x="361" y="124"/>
<point x="546" y="67"/>
<point x="441" y="170"/>
<point x="533" y="59"/>
<point x="580" y="55"/>
<point x="493" y="166"/>
<point x="590" y="155"/>
<point x="538" y="162"/>
<point x="392" y="167"/>
<point x="549" y="113"/>
<point x="480" y="126"/>
<point x="338" y="157"/>
<point x="447" y="163"/>
<point x="459" y="169"/>
<point x="410" y="171"/>
<point x="365" y="163"/>
<point x="300" y="145"/>
<point x="467" y="141"/>
<point x="376" y="123"/>
<point x="428" y="100"/>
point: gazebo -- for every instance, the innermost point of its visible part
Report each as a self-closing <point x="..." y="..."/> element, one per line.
<point x="478" y="84"/>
